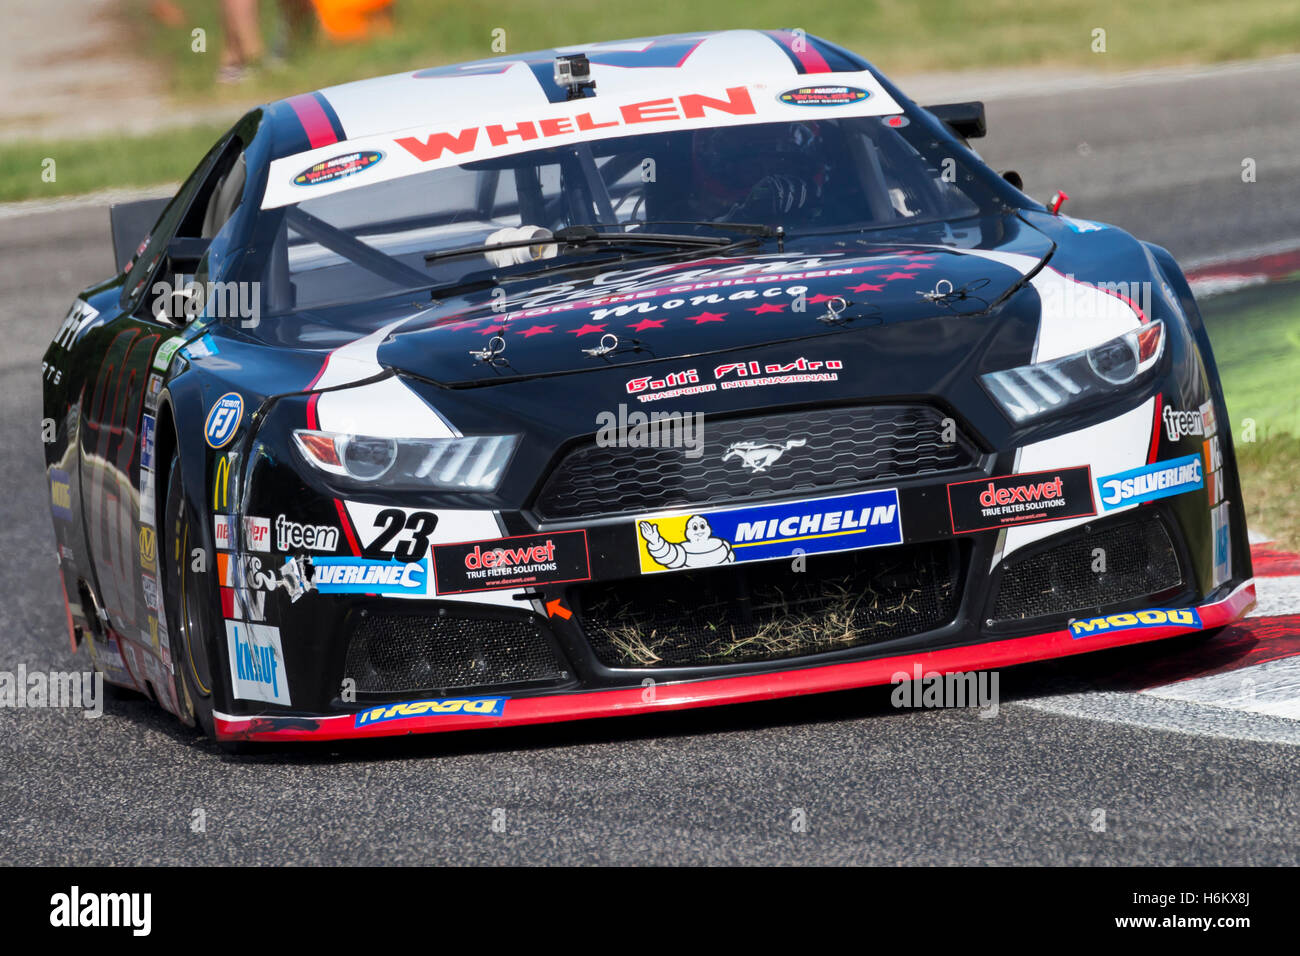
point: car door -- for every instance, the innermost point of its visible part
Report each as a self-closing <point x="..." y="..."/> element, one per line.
<point x="118" y="434"/>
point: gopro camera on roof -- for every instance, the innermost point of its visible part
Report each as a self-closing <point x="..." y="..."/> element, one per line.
<point x="573" y="72"/>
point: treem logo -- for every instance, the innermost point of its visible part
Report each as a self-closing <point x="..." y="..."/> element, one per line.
<point x="290" y="536"/>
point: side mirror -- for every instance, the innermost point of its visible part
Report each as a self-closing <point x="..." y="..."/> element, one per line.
<point x="131" y="223"/>
<point x="964" y="119"/>
<point x="1013" y="177"/>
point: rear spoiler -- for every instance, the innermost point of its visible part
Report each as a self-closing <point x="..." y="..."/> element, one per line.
<point x="131" y="223"/>
<point x="964" y="119"/>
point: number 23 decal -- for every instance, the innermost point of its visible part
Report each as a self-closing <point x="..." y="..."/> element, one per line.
<point x="407" y="536"/>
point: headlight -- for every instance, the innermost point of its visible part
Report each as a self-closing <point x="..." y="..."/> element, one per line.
<point x="1030" y="391"/>
<point x="474" y="463"/>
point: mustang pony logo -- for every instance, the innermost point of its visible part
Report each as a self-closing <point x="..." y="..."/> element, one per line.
<point x="760" y="455"/>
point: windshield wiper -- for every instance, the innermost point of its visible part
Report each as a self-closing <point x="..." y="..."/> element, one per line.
<point x="584" y="236"/>
<point x="744" y="228"/>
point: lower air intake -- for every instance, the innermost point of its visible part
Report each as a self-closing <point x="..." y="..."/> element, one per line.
<point x="1105" y="566"/>
<point x="391" y="653"/>
<point x="768" y="611"/>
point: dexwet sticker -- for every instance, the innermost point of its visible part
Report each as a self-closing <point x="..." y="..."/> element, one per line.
<point x="823" y="96"/>
<point x="522" y="561"/>
<point x="712" y="537"/>
<point x="988" y="503"/>
<point x="339" y="167"/>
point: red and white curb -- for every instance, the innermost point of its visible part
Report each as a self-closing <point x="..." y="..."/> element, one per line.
<point x="1241" y="270"/>
<point x="1243" y="684"/>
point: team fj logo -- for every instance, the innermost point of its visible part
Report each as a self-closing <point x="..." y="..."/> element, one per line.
<point x="223" y="420"/>
<point x="758" y="456"/>
<point x="704" y="539"/>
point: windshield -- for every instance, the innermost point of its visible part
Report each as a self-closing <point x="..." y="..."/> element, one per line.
<point x="805" y="176"/>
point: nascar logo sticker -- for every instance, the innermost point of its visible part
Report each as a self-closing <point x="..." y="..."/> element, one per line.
<point x="339" y="167"/>
<point x="1152" y="617"/>
<point x="223" y="420"/>
<point x="704" y="539"/>
<point x="482" y="706"/>
<point x="1150" y="482"/>
<point x="823" y="96"/>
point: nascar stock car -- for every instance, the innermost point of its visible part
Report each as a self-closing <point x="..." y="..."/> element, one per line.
<point x="639" y="375"/>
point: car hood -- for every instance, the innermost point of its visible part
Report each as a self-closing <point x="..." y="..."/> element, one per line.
<point x="818" y="287"/>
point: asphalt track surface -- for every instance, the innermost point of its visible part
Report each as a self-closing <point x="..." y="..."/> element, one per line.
<point x="722" y="785"/>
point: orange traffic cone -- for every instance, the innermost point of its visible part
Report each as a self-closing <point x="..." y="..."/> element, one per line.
<point x="346" y="20"/>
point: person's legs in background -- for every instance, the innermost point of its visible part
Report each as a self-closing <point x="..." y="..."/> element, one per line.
<point x="242" y="45"/>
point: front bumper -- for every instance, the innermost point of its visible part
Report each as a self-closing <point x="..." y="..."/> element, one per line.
<point x="582" y="705"/>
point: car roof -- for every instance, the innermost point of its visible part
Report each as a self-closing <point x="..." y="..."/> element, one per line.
<point x="472" y="92"/>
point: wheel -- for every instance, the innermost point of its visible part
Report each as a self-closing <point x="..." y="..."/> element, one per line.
<point x="188" y="605"/>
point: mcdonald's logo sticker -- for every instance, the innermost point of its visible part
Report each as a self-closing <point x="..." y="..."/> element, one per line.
<point x="221" y="482"/>
<point x="148" y="549"/>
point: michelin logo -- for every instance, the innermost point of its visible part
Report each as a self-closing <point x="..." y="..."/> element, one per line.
<point x="712" y="538"/>
<point x="1152" y="617"/>
<point x="360" y="576"/>
<point x="482" y="706"/>
<point x="700" y="549"/>
<point x="1150" y="482"/>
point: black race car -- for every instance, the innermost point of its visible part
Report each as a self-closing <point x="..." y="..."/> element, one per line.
<point x="653" y="374"/>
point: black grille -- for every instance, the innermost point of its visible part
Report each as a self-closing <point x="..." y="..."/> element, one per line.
<point x="1139" y="560"/>
<point x="822" y="448"/>
<point x="768" y="611"/>
<point x="391" y="653"/>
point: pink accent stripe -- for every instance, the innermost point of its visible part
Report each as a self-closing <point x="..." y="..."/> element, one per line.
<point x="320" y="132"/>
<point x="809" y="58"/>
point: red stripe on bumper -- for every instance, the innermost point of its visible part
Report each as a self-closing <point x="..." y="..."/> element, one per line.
<point x="728" y="690"/>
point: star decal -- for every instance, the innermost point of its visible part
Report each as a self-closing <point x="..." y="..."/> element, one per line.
<point x="587" y="329"/>
<point x="491" y="329"/>
<point x="537" y="330"/>
<point x="866" y="287"/>
<point x="899" y="275"/>
<point x="766" y="307"/>
<point x="820" y="298"/>
<point x="647" y="324"/>
<point x="706" y="317"/>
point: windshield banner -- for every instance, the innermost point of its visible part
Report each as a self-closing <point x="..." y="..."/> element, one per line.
<point x="347" y="165"/>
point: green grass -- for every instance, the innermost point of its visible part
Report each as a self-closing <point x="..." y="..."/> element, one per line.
<point x="1268" y="485"/>
<point x="82" y="166"/>
<point x="1257" y="347"/>
<point x="1256" y="341"/>
<point x="897" y="35"/>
